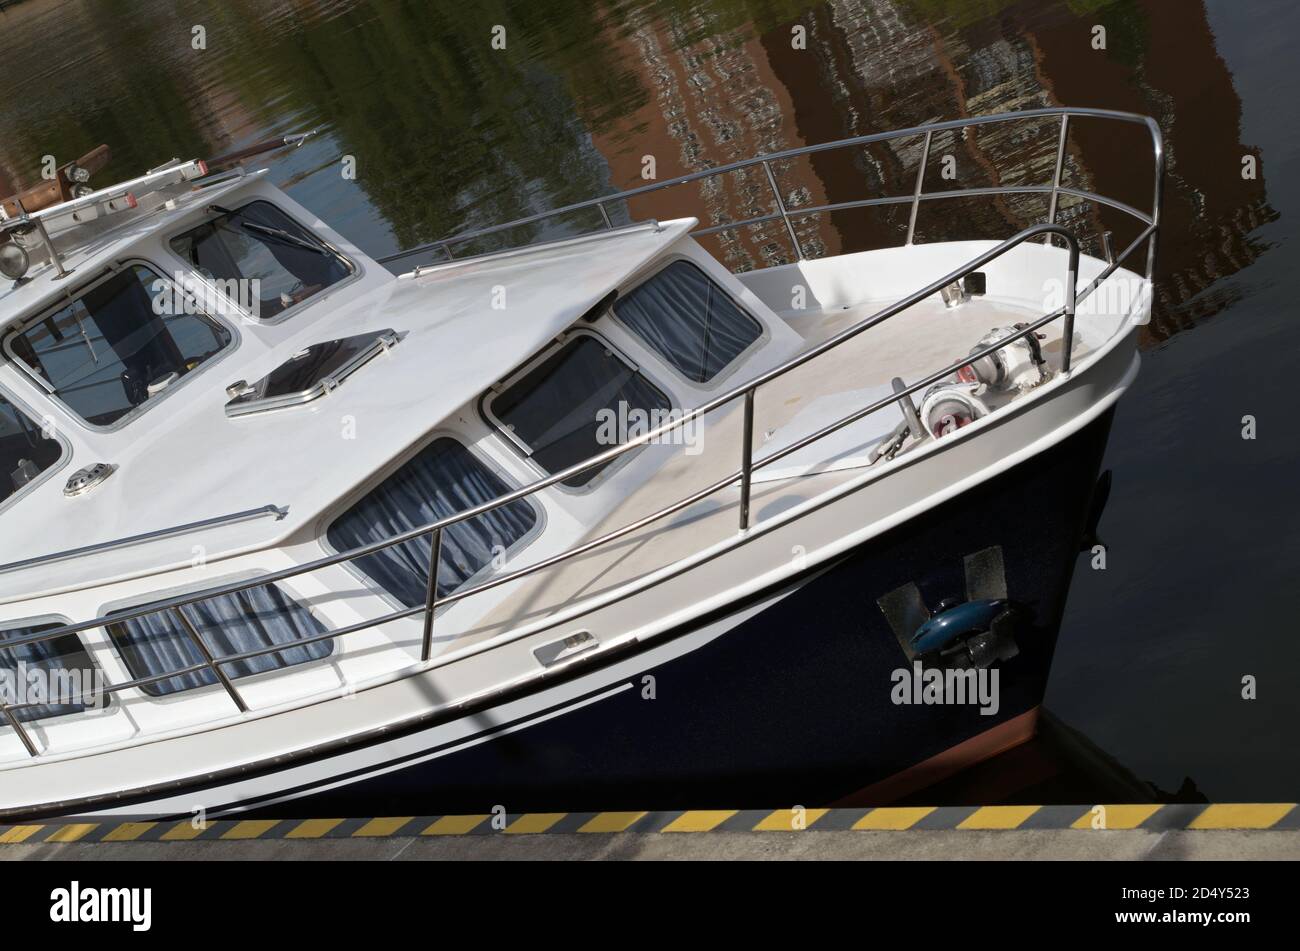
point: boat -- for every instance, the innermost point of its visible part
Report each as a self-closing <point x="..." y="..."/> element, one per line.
<point x="584" y="520"/>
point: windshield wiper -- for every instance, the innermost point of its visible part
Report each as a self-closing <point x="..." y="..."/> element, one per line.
<point x="283" y="236"/>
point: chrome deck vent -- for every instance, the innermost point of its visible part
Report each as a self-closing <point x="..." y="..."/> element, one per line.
<point x="86" y="478"/>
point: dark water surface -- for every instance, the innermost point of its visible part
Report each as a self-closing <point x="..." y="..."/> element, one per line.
<point x="448" y="134"/>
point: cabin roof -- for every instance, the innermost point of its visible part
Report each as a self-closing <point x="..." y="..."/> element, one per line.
<point x="100" y="247"/>
<point x="187" y="461"/>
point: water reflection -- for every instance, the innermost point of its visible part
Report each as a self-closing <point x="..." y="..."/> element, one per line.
<point x="448" y="133"/>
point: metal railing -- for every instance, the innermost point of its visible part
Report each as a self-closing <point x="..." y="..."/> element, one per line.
<point x="927" y="132"/>
<point x="266" y="511"/>
<point x="745" y="393"/>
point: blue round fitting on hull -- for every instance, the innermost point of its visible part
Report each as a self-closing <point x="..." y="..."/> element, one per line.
<point x="942" y="630"/>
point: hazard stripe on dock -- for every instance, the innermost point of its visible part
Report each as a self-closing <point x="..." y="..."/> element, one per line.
<point x="1083" y="819"/>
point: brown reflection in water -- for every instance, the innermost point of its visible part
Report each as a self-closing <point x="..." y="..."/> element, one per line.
<point x="875" y="65"/>
<point x="1177" y="76"/>
<point x="712" y="101"/>
<point x="451" y="135"/>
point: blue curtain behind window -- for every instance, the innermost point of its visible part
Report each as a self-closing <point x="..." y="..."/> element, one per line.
<point x="60" y="653"/>
<point x="688" y="320"/>
<point x="230" y="624"/>
<point x="444" y="478"/>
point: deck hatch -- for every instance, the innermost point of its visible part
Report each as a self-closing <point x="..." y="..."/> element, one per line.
<point x="309" y="374"/>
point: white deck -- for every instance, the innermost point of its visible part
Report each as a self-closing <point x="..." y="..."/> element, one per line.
<point x="856" y="374"/>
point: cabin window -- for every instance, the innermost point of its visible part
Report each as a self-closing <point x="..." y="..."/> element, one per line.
<point x="261" y="258"/>
<point x="559" y="410"/>
<point x="228" y="624"/>
<point x="25" y="450"/>
<point x="49" y="678"/>
<point x="688" y="320"/>
<point x="442" y="479"/>
<point x="119" y="345"/>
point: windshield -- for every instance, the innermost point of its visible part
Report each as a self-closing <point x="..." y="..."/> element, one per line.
<point x="559" y="409"/>
<point x="118" y="346"/>
<point x="262" y="255"/>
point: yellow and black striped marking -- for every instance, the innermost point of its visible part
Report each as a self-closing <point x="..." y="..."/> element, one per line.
<point x="885" y="819"/>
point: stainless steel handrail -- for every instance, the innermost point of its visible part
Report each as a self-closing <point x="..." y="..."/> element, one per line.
<point x="920" y="189"/>
<point x="745" y="391"/>
<point x="928" y="130"/>
<point x="266" y="510"/>
<point x="600" y="458"/>
<point x="744" y="475"/>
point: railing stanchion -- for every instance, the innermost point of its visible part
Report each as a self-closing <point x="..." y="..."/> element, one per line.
<point x="22" y="733"/>
<point x="908" y="408"/>
<point x="431" y="594"/>
<point x="1071" y="288"/>
<point x="1157" y="199"/>
<point x="746" y="459"/>
<point x="916" y="191"/>
<point x="1056" y="174"/>
<point x="604" y="213"/>
<point x="209" y="660"/>
<point x="780" y="206"/>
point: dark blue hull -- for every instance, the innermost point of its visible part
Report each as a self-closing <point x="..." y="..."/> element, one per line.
<point x="796" y="703"/>
<point x="787" y="699"/>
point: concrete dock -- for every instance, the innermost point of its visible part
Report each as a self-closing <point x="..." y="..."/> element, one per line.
<point x="727" y="846"/>
<point x="1149" y="832"/>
